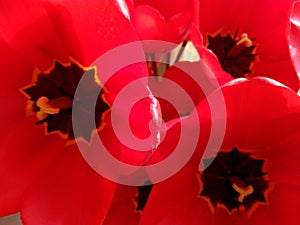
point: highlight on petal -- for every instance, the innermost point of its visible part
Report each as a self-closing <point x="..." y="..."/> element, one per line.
<point x="294" y="35"/>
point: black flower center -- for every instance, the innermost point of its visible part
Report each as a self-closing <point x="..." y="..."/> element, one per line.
<point x="234" y="54"/>
<point x="234" y="179"/>
<point x="52" y="96"/>
<point x="143" y="195"/>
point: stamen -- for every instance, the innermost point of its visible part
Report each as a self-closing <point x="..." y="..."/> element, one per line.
<point x="53" y="106"/>
<point x="243" y="42"/>
<point x="239" y="186"/>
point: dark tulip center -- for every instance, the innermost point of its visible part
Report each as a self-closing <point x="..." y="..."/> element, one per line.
<point x="234" y="179"/>
<point x="235" y="54"/>
<point x="52" y="96"/>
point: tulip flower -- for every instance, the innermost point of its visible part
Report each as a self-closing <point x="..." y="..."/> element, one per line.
<point x="46" y="48"/>
<point x="248" y="180"/>
<point x="250" y="38"/>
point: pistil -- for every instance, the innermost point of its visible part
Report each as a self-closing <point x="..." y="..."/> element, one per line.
<point x="234" y="179"/>
<point x="240" y="187"/>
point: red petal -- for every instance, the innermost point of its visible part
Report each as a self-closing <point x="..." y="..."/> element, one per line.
<point x="280" y="70"/>
<point x="169" y="8"/>
<point x="24" y="160"/>
<point x="175" y="202"/>
<point x="168" y="22"/>
<point x="89" y="29"/>
<point x="26" y="26"/>
<point x="123" y="207"/>
<point x="250" y="106"/>
<point x="193" y="82"/>
<point x="128" y="77"/>
<point x="69" y="193"/>
<point x="283" y="156"/>
<point x="222" y="216"/>
<point x="146" y="21"/>
<point x="123" y="137"/>
<point x="283" y="207"/>
<point x="16" y="73"/>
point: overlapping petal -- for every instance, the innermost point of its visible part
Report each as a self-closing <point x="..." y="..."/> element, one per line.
<point x="195" y="80"/>
<point x="169" y="21"/>
<point x="123" y="207"/>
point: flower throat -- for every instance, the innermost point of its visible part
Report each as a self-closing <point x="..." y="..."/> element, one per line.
<point x="52" y="98"/>
<point x="235" y="54"/>
<point x="234" y="179"/>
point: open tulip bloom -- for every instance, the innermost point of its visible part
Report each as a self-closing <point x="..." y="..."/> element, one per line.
<point x="104" y="122"/>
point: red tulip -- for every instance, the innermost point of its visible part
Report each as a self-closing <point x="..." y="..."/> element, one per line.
<point x="250" y="38"/>
<point x="251" y="179"/>
<point x="46" y="47"/>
